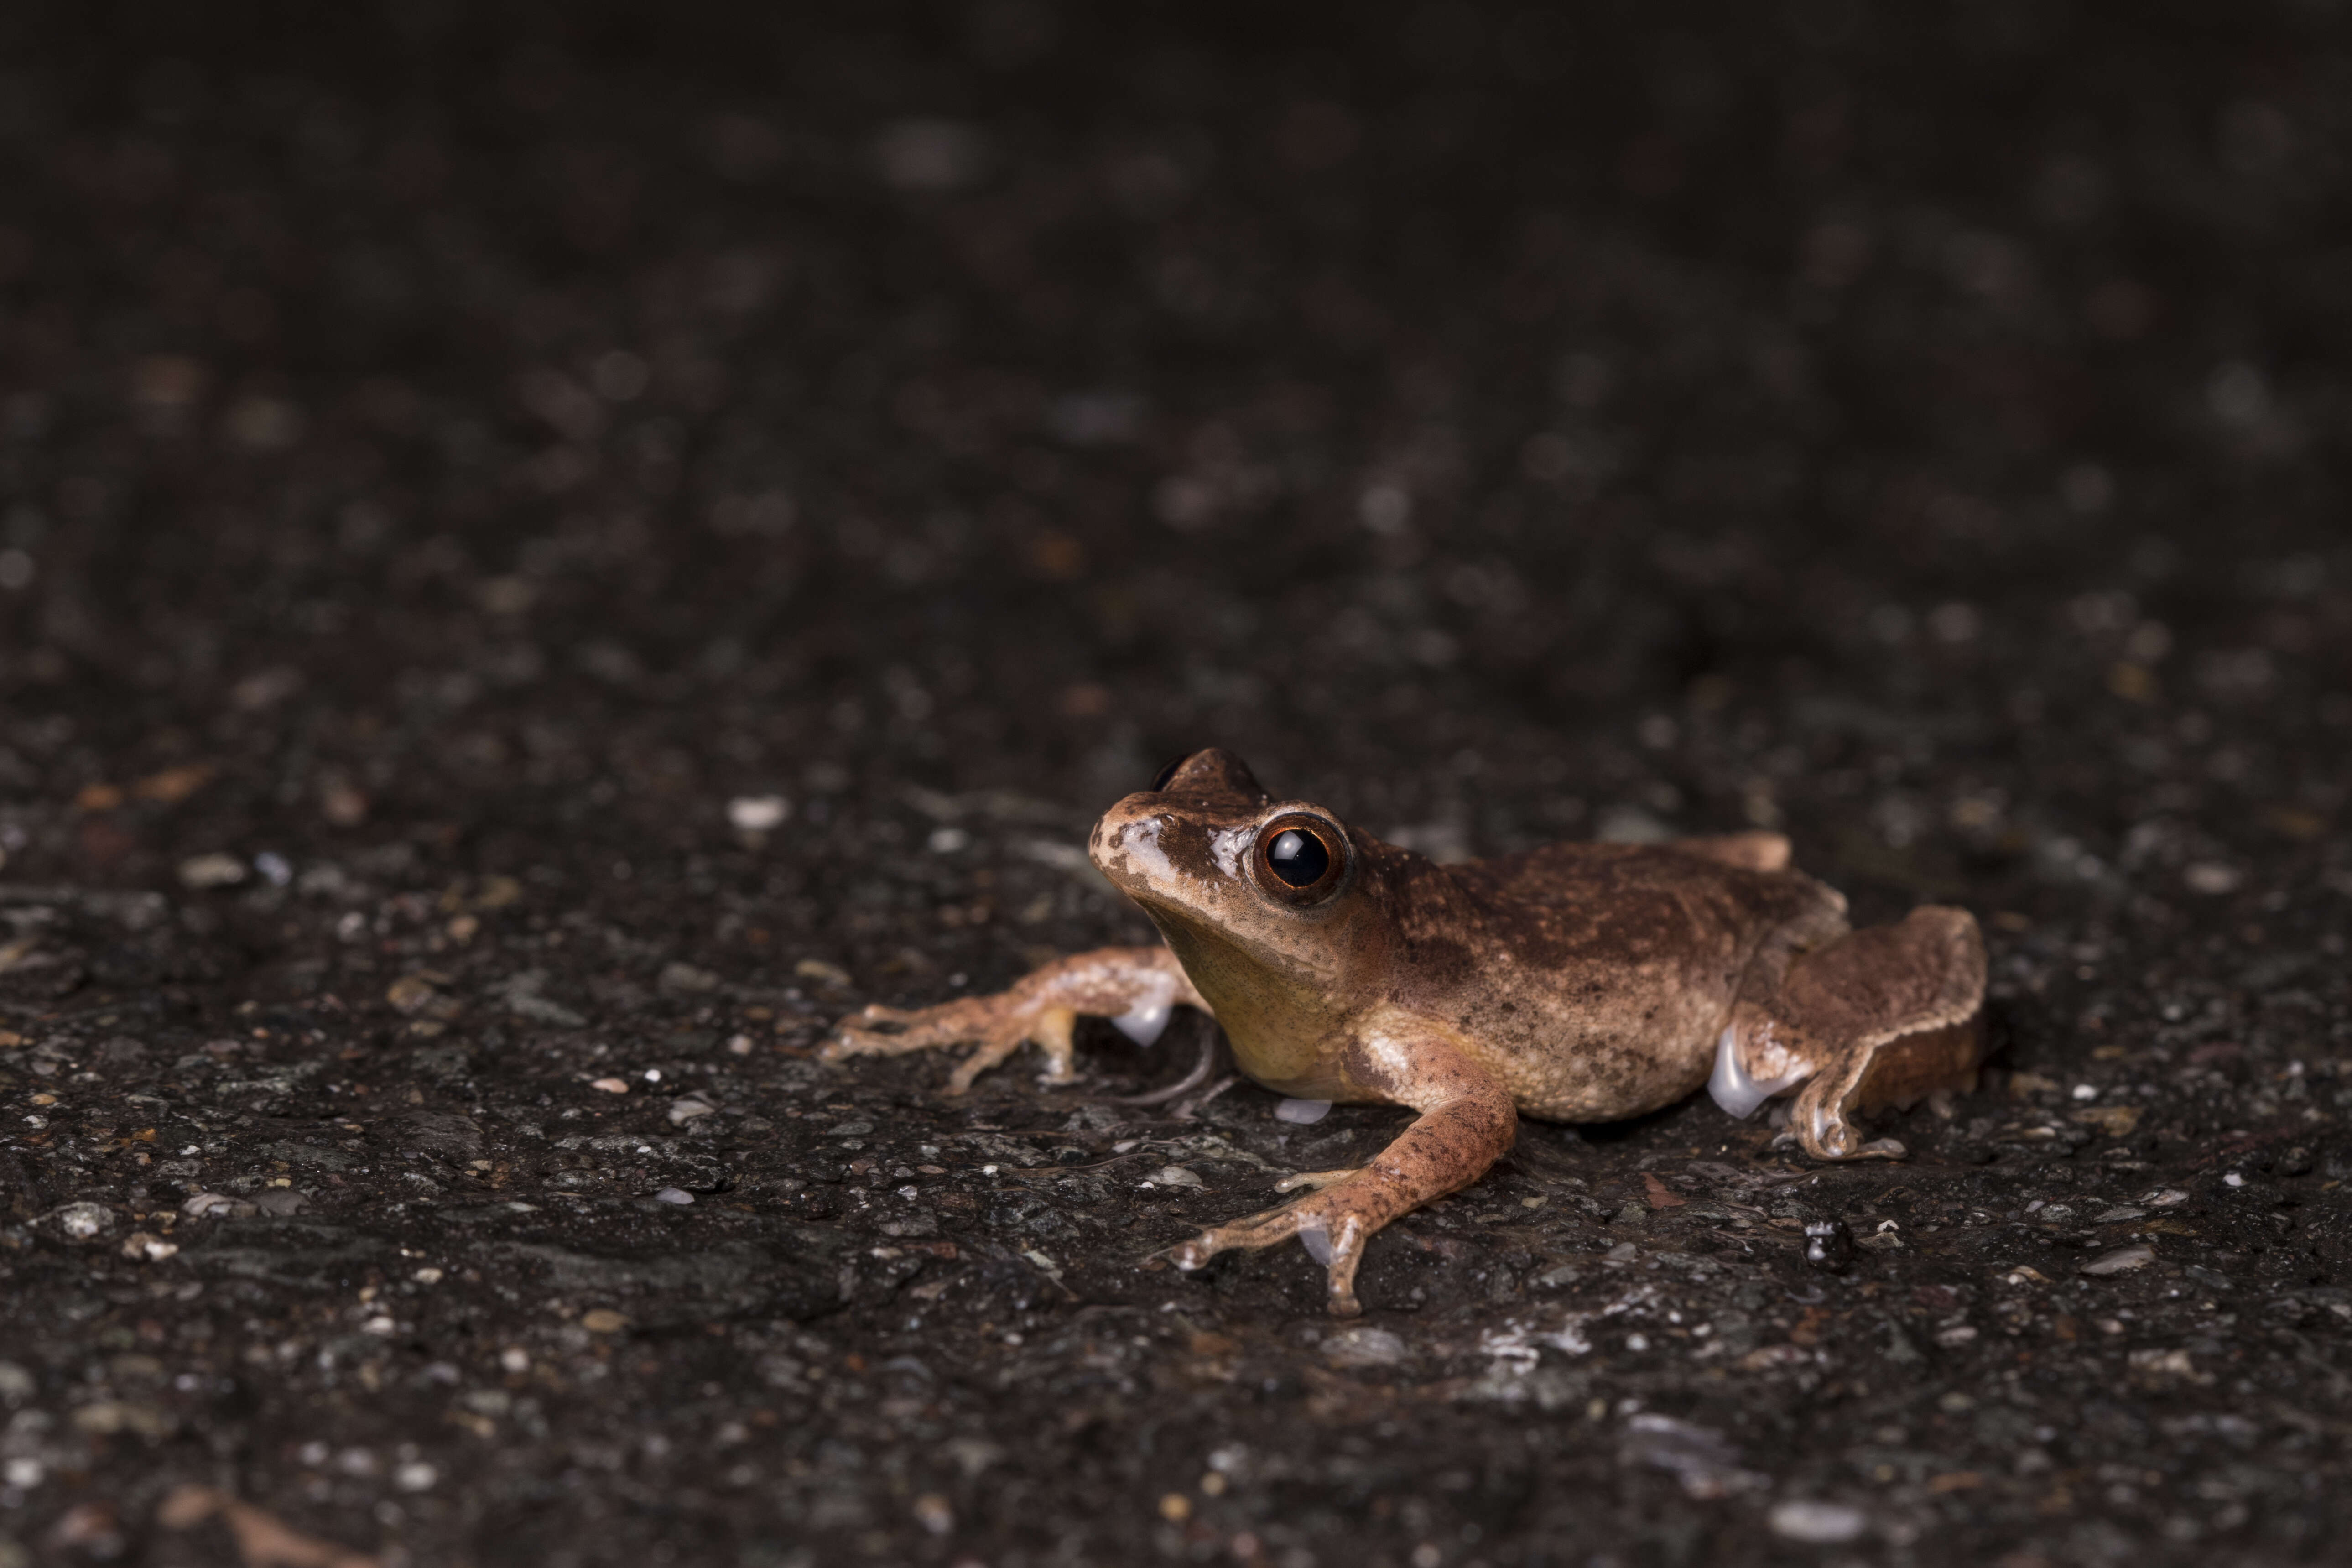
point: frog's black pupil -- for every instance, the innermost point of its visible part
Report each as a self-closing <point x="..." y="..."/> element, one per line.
<point x="1298" y="857"/>
<point x="1159" y="780"/>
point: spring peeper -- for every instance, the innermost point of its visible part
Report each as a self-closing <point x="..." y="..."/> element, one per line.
<point x="1571" y="983"/>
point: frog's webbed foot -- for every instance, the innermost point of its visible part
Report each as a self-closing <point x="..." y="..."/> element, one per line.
<point x="1884" y="1016"/>
<point x="1137" y="986"/>
<point x="1467" y="1122"/>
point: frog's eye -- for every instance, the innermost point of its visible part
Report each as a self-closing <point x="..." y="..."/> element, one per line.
<point x="1301" y="858"/>
<point x="1297" y="857"/>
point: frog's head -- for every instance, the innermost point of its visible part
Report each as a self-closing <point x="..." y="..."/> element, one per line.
<point x="1256" y="894"/>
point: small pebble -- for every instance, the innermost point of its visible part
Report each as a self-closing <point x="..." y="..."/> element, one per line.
<point x="82" y="1221"/>
<point x="758" y="813"/>
<point x="1174" y="1177"/>
<point x="2122" y="1260"/>
<point x="1303" y="1112"/>
<point x="603" y="1320"/>
<point x="1829" y="1246"/>
<point x="1817" y="1524"/>
<point x="674" y="1196"/>
<point x="611" y="1085"/>
<point x="201" y="871"/>
<point x="1364" y="1347"/>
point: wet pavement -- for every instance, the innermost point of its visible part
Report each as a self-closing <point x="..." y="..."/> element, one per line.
<point x="547" y="554"/>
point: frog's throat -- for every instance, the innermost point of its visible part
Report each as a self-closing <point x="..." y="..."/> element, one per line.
<point x="1280" y="1027"/>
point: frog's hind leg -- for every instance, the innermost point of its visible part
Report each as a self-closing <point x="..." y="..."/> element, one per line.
<point x="1879" y="1017"/>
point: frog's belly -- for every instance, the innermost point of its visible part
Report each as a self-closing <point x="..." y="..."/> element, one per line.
<point x="1564" y="1067"/>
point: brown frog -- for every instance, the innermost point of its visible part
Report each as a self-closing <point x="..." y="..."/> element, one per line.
<point x="1573" y="983"/>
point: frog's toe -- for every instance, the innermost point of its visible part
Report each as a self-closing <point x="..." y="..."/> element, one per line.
<point x="1314" y="1181"/>
<point x="1332" y="1235"/>
<point x="991" y="1051"/>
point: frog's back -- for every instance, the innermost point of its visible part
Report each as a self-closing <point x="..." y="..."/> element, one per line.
<point x="1644" y="893"/>
<point x="1599" y="975"/>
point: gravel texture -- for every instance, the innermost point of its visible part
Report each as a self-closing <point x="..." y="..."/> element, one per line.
<point x="546" y="552"/>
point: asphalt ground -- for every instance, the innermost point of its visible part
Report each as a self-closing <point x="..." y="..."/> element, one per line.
<point x="550" y="552"/>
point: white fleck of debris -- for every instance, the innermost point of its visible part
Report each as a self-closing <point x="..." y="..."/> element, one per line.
<point x="514" y="1360"/>
<point x="2086" y="1091"/>
<point x="1175" y="1176"/>
<point x="611" y="1085"/>
<point x="1815" y="1522"/>
<point x="2212" y="877"/>
<point x="82" y="1221"/>
<point x="988" y="1170"/>
<point x="2234" y="1180"/>
<point x="2121" y="1260"/>
<point x="384" y="1327"/>
<point x="201" y="871"/>
<point x="274" y="868"/>
<point x="758" y="813"/>
<point x="148" y="1248"/>
<point x="948" y="840"/>
<point x="415" y="1477"/>
<point x="199" y="1205"/>
<point x="674" y="1196"/>
<point x="428" y="1276"/>
<point x="739" y="1045"/>
<point x="1303" y="1112"/>
<point x="653" y="1075"/>
<point x="2164" y="1197"/>
<point x="682" y="1111"/>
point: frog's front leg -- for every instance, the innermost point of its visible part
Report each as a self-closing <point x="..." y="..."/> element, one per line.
<point x="1135" y="987"/>
<point x="1467" y="1122"/>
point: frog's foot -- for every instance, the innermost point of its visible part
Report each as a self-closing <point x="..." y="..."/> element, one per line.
<point x="999" y="1025"/>
<point x="1135" y="986"/>
<point x="1333" y="1225"/>
<point x="1467" y="1122"/>
<point x="1884" y="1017"/>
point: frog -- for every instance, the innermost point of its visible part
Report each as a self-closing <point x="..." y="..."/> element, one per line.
<point x="1575" y="983"/>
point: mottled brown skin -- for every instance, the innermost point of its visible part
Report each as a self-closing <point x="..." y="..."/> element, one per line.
<point x="1573" y="982"/>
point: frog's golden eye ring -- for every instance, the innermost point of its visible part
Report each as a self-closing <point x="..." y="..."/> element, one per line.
<point x="1301" y="859"/>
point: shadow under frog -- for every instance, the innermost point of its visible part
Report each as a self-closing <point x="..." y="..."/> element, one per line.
<point x="1571" y="983"/>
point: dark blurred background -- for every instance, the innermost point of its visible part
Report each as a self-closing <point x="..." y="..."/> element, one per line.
<point x="486" y="406"/>
<point x="546" y="531"/>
